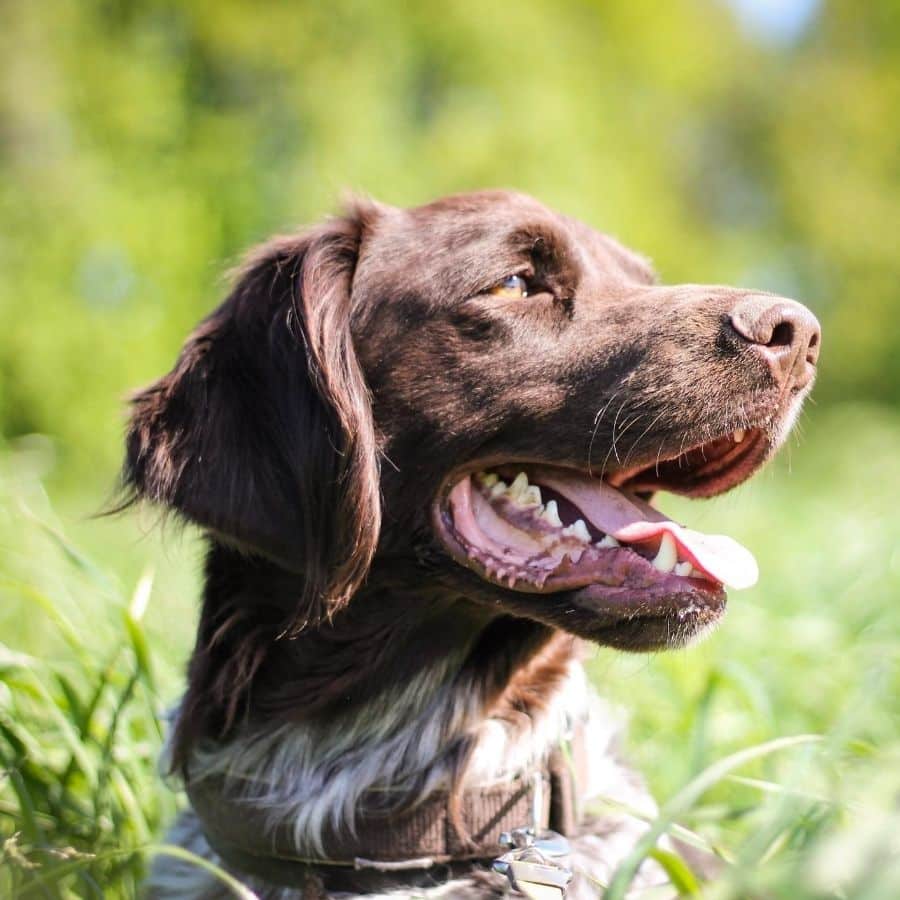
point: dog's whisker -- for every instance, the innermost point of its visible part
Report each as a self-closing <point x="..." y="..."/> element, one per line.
<point x="640" y="437"/>
<point x="612" y="446"/>
<point x="597" y="420"/>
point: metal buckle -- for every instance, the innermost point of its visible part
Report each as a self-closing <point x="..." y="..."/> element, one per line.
<point x="550" y="843"/>
<point x="530" y="863"/>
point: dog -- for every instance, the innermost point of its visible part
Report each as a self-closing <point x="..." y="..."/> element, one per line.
<point x="422" y="445"/>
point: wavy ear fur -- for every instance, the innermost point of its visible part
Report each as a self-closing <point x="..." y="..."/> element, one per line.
<point x="263" y="433"/>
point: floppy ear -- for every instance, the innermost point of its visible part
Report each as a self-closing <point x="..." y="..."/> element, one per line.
<point x="263" y="431"/>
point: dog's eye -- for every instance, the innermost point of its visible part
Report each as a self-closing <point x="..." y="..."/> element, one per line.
<point x="515" y="287"/>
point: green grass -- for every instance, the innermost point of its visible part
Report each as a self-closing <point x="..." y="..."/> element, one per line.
<point x="775" y="743"/>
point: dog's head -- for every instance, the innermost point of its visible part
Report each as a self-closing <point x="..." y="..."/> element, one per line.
<point x="484" y="393"/>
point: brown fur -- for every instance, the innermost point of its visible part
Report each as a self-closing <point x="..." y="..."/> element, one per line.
<point x="313" y="418"/>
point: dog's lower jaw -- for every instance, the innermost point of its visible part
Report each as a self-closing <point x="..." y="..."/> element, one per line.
<point x="409" y="740"/>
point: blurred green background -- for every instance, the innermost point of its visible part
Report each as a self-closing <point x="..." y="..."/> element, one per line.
<point x="146" y="144"/>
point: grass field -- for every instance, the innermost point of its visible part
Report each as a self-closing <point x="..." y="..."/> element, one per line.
<point x="776" y="742"/>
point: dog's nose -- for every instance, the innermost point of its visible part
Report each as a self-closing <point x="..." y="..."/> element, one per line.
<point x="785" y="333"/>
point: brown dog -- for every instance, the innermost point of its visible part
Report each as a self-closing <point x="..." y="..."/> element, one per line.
<point x="422" y="445"/>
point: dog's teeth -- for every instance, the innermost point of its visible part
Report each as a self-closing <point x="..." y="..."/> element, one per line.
<point x="574" y="555"/>
<point x="683" y="569"/>
<point x="499" y="489"/>
<point x="518" y="487"/>
<point x="531" y="496"/>
<point x="581" y="531"/>
<point x="607" y="542"/>
<point x="488" y="479"/>
<point x="551" y="514"/>
<point x="667" y="556"/>
<point x="578" y="530"/>
<point x="739" y="435"/>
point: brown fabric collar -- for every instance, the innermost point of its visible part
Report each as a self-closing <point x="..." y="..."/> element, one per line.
<point x="422" y="842"/>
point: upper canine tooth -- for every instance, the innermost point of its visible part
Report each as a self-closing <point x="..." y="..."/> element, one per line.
<point x="667" y="555"/>
<point x="608" y="541"/>
<point x="739" y="435"/>
<point x="516" y="489"/>
<point x="531" y="496"/>
<point x="499" y="489"/>
<point x="551" y="514"/>
<point x="488" y="479"/>
<point x="578" y="530"/>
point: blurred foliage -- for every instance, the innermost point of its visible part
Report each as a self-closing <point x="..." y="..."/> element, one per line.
<point x="80" y="717"/>
<point x="146" y="143"/>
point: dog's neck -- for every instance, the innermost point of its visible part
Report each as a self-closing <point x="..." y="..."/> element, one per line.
<point x="409" y="692"/>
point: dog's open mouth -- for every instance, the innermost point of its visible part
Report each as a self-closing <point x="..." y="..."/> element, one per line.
<point x="542" y="528"/>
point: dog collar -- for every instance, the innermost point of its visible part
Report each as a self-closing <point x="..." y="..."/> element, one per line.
<point x="415" y="847"/>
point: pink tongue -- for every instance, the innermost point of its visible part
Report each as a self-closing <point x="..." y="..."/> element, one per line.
<point x="630" y="520"/>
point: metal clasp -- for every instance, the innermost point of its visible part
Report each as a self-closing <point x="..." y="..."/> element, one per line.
<point x="530" y="862"/>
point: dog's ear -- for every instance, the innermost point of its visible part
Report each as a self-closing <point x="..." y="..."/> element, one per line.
<point x="263" y="433"/>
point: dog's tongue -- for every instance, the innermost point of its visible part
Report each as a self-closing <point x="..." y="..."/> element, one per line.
<point x="631" y="520"/>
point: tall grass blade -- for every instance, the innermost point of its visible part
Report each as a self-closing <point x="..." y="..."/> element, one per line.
<point x="686" y="798"/>
<point x="240" y="890"/>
